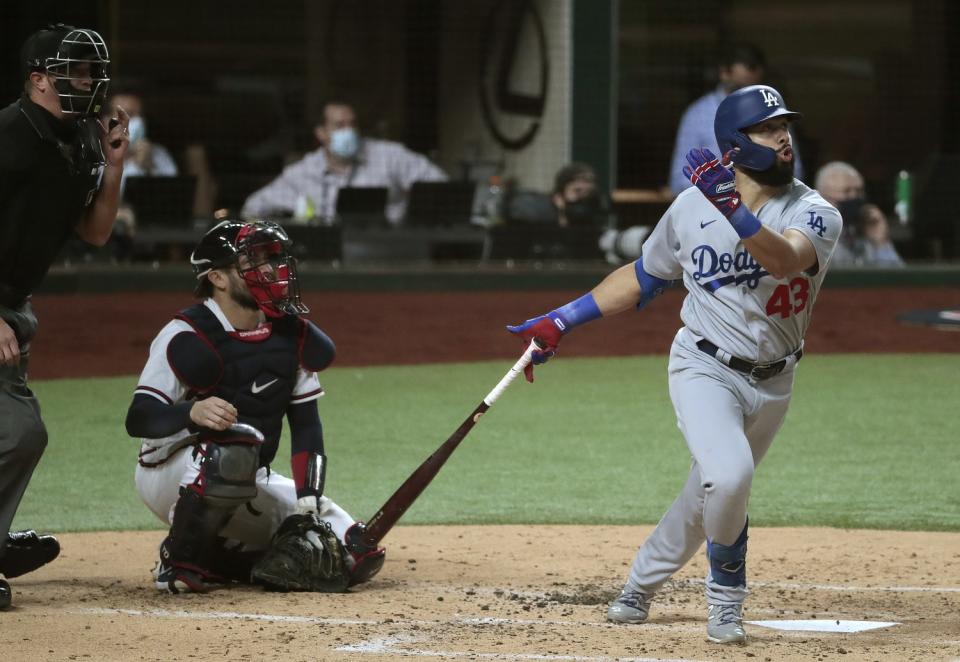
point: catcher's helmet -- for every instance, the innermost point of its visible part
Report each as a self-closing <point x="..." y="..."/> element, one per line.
<point x="74" y="57"/>
<point x="260" y="252"/>
<point x="744" y="108"/>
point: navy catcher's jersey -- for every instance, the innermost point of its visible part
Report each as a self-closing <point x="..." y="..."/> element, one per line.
<point x="160" y="381"/>
<point x="732" y="301"/>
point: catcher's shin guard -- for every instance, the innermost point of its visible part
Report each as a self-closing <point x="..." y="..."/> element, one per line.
<point x="226" y="481"/>
<point x="190" y="545"/>
<point x="364" y="562"/>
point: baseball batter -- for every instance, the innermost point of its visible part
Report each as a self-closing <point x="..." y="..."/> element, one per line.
<point x="751" y="245"/>
<point x="245" y="355"/>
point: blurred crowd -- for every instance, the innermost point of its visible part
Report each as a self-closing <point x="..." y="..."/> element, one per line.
<point x="579" y="218"/>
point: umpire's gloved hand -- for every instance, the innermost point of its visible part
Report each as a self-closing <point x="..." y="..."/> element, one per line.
<point x="547" y="329"/>
<point x="717" y="183"/>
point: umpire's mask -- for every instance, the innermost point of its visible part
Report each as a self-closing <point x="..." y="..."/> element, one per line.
<point x="78" y="62"/>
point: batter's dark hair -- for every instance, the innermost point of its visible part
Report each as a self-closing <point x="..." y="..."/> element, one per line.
<point x="572" y="172"/>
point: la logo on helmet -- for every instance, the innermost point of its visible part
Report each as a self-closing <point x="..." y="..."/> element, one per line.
<point x="769" y="98"/>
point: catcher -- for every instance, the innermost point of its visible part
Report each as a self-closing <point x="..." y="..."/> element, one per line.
<point x="209" y="409"/>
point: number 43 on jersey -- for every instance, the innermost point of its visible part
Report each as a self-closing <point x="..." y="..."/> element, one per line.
<point x="789" y="298"/>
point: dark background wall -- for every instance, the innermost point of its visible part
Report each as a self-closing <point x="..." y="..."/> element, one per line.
<point x="875" y="79"/>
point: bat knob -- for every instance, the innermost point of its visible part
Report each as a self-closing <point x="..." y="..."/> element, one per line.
<point x="366" y="559"/>
<point x="356" y="539"/>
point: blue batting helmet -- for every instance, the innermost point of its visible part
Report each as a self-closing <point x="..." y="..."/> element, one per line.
<point x="744" y="108"/>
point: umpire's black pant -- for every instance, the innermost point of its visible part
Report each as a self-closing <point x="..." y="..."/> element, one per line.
<point x="23" y="436"/>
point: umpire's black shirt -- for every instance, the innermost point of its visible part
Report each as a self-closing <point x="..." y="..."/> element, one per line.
<point x="43" y="194"/>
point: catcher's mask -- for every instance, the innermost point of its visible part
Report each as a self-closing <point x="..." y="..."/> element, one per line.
<point x="260" y="253"/>
<point x="78" y="62"/>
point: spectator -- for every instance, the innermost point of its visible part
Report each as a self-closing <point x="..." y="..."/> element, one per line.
<point x="866" y="236"/>
<point x="576" y="197"/>
<point x="573" y="201"/>
<point x="344" y="159"/>
<point x="740" y="65"/>
<point x="144" y="158"/>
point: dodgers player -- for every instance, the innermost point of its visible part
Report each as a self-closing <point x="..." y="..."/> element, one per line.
<point x="752" y="247"/>
<point x="244" y="355"/>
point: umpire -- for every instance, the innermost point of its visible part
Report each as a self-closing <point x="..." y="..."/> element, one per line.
<point x="59" y="177"/>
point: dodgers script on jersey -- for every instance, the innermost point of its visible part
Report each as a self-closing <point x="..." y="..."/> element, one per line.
<point x="159" y="381"/>
<point x="734" y="302"/>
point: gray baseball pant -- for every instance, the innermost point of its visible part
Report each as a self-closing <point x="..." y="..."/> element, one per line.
<point x="23" y="436"/>
<point x="729" y="422"/>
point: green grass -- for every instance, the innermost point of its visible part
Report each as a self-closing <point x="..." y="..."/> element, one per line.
<point x="869" y="442"/>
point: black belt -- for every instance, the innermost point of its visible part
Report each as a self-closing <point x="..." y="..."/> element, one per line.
<point x="758" y="371"/>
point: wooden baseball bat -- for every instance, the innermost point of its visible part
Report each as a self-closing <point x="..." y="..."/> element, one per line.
<point x="394" y="508"/>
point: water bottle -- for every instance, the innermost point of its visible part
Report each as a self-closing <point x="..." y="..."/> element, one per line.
<point x="304" y="210"/>
<point x="493" y="201"/>
<point x="904" y="194"/>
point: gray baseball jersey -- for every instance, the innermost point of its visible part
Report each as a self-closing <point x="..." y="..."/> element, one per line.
<point x="727" y="418"/>
<point x="733" y="301"/>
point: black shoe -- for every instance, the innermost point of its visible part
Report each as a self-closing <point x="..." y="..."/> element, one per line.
<point x="6" y="595"/>
<point x="26" y="551"/>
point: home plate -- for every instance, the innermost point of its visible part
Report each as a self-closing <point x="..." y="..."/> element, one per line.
<point x="823" y="625"/>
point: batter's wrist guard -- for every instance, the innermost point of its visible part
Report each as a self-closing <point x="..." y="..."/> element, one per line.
<point x="744" y="223"/>
<point x="577" y="312"/>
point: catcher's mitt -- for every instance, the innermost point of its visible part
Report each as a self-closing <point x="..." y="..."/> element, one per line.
<point x="305" y="555"/>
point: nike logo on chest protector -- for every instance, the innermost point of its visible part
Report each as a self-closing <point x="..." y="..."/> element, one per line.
<point x="256" y="388"/>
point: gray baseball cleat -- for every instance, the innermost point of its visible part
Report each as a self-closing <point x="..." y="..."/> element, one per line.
<point x="629" y="607"/>
<point x="725" y="624"/>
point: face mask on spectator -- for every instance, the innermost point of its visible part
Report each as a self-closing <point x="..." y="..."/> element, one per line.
<point x="585" y="210"/>
<point x="851" y="211"/>
<point x="137" y="129"/>
<point x="345" y="143"/>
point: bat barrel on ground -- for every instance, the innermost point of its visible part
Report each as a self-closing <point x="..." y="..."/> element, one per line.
<point x="394" y="508"/>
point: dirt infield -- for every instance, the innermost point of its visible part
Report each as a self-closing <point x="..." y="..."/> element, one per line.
<point x="503" y="593"/>
<point x="412" y="327"/>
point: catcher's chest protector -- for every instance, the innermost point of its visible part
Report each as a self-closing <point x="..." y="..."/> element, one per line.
<point x="259" y="370"/>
